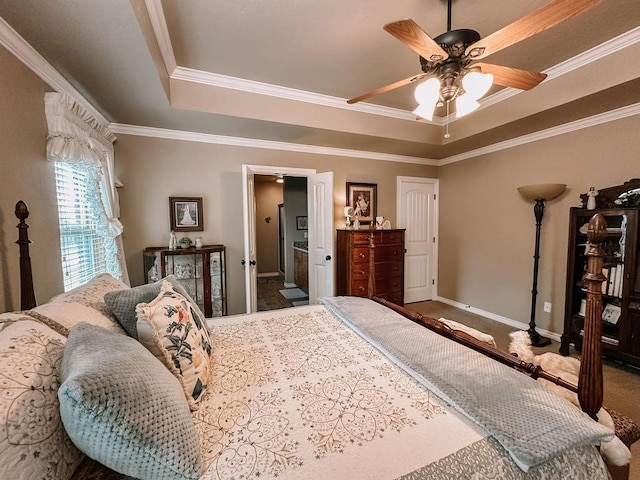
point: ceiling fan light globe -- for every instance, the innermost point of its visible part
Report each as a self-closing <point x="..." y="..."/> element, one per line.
<point x="428" y="92"/>
<point x="465" y="104"/>
<point x="425" y="111"/>
<point x="477" y="84"/>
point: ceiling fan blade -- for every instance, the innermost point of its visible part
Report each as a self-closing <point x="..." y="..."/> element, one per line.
<point x="512" y="77"/>
<point x="386" y="88"/>
<point x="410" y="33"/>
<point x="538" y="21"/>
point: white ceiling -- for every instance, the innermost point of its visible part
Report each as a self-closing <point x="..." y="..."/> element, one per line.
<point x="281" y="71"/>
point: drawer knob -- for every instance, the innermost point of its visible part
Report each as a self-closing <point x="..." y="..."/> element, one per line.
<point x="361" y="289"/>
<point x="362" y="255"/>
<point x="362" y="272"/>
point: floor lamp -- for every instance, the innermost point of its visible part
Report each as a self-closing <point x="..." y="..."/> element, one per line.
<point x="539" y="194"/>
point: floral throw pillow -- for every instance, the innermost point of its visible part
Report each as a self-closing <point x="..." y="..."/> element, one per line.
<point x="169" y="328"/>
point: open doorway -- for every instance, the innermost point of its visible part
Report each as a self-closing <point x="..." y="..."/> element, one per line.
<point x="281" y="241"/>
<point x="319" y="221"/>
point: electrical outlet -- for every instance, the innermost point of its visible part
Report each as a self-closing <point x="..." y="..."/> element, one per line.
<point x="547" y="307"/>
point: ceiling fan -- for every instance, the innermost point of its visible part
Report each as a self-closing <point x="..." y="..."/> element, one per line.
<point x="450" y="60"/>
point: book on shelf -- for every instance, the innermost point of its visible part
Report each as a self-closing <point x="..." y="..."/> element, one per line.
<point x="617" y="282"/>
<point x="611" y="279"/>
<point x="615" y="279"/>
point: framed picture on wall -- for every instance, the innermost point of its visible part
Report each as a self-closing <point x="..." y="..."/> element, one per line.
<point x="186" y="214"/>
<point x="363" y="198"/>
<point x="301" y="223"/>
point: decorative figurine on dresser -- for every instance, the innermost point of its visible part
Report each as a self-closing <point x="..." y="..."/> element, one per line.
<point x="371" y="262"/>
<point x="200" y="270"/>
<point x="620" y="207"/>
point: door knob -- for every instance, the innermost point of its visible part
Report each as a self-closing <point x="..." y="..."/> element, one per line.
<point x="328" y="257"/>
<point x="243" y="262"/>
<point x="252" y="262"/>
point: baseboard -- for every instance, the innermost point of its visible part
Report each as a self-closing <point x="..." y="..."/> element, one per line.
<point x="498" y="318"/>
<point x="269" y="274"/>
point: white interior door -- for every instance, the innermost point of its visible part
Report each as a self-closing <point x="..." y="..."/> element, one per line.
<point x="320" y="216"/>
<point x="417" y="212"/>
<point x="249" y="225"/>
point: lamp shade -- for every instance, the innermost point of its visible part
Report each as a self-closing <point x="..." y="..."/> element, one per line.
<point x="542" y="191"/>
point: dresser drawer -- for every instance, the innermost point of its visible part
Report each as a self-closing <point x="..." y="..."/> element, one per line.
<point x="387" y="238"/>
<point x="359" y="288"/>
<point x="360" y="255"/>
<point x="361" y="238"/>
<point x="360" y="272"/>
<point x="393" y="253"/>
<point x="387" y="284"/>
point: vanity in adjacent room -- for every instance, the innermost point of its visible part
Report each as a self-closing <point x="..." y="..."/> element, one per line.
<point x="301" y="265"/>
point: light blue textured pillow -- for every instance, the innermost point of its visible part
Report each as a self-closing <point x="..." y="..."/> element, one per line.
<point x="122" y="303"/>
<point x="123" y="408"/>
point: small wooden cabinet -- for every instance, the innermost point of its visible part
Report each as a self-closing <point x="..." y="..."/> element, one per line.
<point x="371" y="262"/>
<point x="301" y="269"/>
<point x="621" y="291"/>
<point x="201" y="271"/>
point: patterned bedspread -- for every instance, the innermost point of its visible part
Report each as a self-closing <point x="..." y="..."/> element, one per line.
<point x="296" y="394"/>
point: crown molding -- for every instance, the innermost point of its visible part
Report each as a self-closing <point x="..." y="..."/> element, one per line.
<point x="260" y="88"/>
<point x="592" y="121"/>
<point x="264" y="144"/>
<point x="576" y="125"/>
<point x="24" y="52"/>
<point x="161" y="32"/>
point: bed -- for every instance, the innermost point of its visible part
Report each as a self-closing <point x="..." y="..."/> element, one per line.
<point x="351" y="388"/>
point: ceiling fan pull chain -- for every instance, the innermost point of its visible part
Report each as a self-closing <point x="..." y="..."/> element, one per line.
<point x="446" y="132"/>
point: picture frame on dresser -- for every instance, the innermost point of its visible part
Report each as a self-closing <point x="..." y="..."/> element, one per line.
<point x="363" y="198"/>
<point x="186" y="214"/>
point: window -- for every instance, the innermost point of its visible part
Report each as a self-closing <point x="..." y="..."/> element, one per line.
<point x="83" y="250"/>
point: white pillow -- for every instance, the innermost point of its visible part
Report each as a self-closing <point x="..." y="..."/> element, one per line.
<point x="85" y="304"/>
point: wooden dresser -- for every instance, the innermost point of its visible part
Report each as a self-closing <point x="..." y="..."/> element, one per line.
<point x="371" y="262"/>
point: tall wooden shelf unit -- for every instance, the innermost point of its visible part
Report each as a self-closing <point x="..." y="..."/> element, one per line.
<point x="371" y="262"/>
<point x="621" y="291"/>
<point x="201" y="271"/>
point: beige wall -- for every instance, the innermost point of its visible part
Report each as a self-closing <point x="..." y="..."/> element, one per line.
<point x="487" y="231"/>
<point x="26" y="175"/>
<point x="154" y="169"/>
<point x="268" y="196"/>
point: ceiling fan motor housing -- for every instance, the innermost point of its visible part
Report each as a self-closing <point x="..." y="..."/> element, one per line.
<point x="455" y="42"/>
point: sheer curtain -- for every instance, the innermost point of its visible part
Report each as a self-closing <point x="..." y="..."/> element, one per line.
<point x="75" y="136"/>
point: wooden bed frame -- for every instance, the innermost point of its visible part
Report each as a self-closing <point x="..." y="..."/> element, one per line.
<point x="590" y="384"/>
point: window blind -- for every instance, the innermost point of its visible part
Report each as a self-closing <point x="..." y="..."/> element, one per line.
<point x="82" y="249"/>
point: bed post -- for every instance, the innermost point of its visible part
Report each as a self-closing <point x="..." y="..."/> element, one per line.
<point x="27" y="295"/>
<point x="590" y="378"/>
